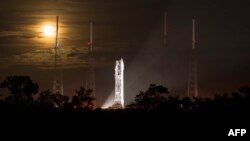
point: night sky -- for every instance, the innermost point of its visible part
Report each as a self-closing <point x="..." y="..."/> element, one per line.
<point x="132" y="30"/>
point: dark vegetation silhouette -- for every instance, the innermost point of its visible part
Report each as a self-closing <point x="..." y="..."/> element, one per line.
<point x="21" y="89"/>
<point x="154" y="98"/>
<point x="83" y="99"/>
<point x="157" y="98"/>
<point x="154" y="112"/>
<point x="47" y="99"/>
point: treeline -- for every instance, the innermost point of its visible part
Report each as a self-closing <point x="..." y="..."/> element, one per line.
<point x="22" y="91"/>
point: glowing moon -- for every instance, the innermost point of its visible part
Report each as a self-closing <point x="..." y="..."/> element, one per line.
<point x="48" y="31"/>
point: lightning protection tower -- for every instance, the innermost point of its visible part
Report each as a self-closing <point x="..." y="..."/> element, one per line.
<point x="90" y="80"/>
<point x="192" y="78"/>
<point x="58" y="83"/>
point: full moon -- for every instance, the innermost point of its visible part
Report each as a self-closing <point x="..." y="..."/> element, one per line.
<point x="48" y="31"/>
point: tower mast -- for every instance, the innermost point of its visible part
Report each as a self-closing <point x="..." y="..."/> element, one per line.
<point x="58" y="85"/>
<point x="90" y="84"/>
<point x="193" y="35"/>
<point x="57" y="30"/>
<point x="91" y="37"/>
<point x="192" y="80"/>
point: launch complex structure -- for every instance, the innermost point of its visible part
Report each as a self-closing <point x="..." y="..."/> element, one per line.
<point x="192" y="91"/>
<point x="119" y="68"/>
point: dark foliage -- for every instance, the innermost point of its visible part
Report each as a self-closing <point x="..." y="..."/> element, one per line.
<point x="83" y="99"/>
<point x="155" y="99"/>
<point x="21" y="88"/>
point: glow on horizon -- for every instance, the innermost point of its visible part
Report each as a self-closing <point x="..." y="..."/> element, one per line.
<point x="108" y="103"/>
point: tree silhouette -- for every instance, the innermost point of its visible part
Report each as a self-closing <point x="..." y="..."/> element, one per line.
<point x="59" y="100"/>
<point x="45" y="99"/>
<point x="187" y="104"/>
<point x="173" y="103"/>
<point x="152" y="99"/>
<point x="50" y="100"/>
<point x="84" y="99"/>
<point x="245" y="91"/>
<point x="21" y="88"/>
